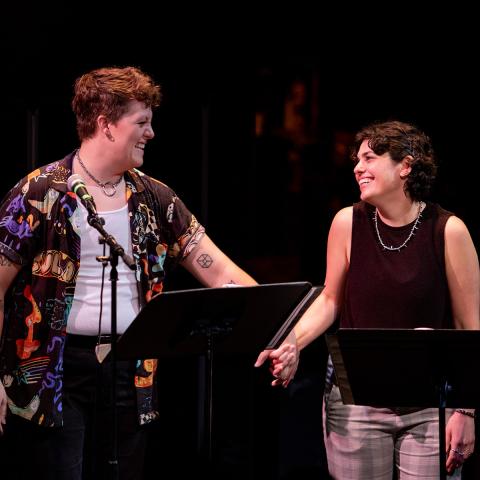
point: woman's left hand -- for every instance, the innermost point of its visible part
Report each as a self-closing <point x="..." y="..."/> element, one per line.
<point x="459" y="441"/>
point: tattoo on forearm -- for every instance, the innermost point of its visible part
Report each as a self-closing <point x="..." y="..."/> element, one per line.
<point x="205" y="260"/>
<point x="5" y="261"/>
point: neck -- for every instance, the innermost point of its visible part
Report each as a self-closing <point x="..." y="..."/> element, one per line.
<point x="109" y="188"/>
<point x="97" y="162"/>
<point x="399" y="213"/>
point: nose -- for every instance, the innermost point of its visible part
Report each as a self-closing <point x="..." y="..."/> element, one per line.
<point x="149" y="133"/>
<point x="359" y="167"/>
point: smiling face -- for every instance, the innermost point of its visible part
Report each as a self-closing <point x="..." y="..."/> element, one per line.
<point x="131" y="133"/>
<point x="378" y="176"/>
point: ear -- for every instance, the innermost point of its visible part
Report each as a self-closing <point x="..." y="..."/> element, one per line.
<point x="406" y="167"/>
<point x="102" y="122"/>
<point x="103" y="126"/>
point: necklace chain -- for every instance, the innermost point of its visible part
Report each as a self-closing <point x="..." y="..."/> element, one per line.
<point x="411" y="234"/>
<point x="108" y="188"/>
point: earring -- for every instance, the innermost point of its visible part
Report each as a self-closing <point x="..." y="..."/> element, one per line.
<point x="109" y="135"/>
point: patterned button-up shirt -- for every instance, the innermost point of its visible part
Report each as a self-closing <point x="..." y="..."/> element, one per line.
<point x="38" y="231"/>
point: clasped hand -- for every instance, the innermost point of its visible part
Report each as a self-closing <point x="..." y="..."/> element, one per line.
<point x="283" y="361"/>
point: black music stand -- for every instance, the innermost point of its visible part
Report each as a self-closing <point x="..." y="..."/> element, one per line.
<point x="407" y="368"/>
<point x="204" y="321"/>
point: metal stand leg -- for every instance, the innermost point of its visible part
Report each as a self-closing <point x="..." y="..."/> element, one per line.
<point x="444" y="389"/>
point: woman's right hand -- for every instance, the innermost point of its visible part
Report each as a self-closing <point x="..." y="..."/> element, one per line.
<point x="283" y="361"/>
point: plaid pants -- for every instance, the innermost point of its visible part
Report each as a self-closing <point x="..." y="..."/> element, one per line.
<point x="366" y="443"/>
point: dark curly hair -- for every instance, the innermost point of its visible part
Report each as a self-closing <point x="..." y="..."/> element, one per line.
<point x="399" y="140"/>
<point x="107" y="91"/>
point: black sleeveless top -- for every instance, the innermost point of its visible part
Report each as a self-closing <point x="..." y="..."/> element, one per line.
<point x="391" y="289"/>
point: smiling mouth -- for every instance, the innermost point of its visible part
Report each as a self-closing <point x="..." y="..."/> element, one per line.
<point x="365" y="181"/>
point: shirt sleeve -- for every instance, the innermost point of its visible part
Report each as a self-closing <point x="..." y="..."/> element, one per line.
<point x="186" y="229"/>
<point x="19" y="225"/>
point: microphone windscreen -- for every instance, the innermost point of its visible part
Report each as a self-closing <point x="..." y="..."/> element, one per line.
<point x="73" y="180"/>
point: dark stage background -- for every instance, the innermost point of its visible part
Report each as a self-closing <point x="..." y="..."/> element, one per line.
<point x="254" y="140"/>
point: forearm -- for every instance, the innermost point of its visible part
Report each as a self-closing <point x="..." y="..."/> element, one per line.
<point x="230" y="273"/>
<point x="316" y="320"/>
<point x="216" y="270"/>
<point x="209" y="265"/>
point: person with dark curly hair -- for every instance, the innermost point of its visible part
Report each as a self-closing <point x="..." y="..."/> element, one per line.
<point x="394" y="260"/>
<point x="55" y="391"/>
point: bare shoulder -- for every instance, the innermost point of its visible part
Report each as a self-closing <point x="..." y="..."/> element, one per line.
<point x="340" y="235"/>
<point x="458" y="242"/>
<point x="343" y="219"/>
<point x="456" y="230"/>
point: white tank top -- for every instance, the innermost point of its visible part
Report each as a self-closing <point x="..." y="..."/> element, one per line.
<point x="84" y="314"/>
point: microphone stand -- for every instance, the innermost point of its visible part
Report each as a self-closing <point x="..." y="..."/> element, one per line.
<point x="116" y="251"/>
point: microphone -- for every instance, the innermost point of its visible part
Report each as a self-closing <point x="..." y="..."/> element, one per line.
<point x="76" y="185"/>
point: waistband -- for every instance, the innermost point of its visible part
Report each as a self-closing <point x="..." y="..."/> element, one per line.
<point x="88" y="341"/>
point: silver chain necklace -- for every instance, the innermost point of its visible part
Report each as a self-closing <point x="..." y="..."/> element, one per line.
<point x="108" y="188"/>
<point x="391" y="248"/>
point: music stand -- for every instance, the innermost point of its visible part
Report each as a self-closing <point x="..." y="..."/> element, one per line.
<point x="407" y="368"/>
<point x="202" y="321"/>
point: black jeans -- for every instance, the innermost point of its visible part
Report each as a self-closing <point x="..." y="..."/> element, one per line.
<point x="82" y="448"/>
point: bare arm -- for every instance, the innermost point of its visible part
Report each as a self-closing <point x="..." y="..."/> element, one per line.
<point x="461" y="262"/>
<point x="8" y="272"/>
<point x="322" y="313"/>
<point x="463" y="281"/>
<point x="209" y="265"/>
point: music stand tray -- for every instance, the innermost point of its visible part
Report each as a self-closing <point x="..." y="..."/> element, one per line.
<point x="407" y="368"/>
<point x="240" y="319"/>
<point x="204" y="321"/>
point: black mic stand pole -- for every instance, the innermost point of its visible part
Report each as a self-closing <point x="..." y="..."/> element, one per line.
<point x="115" y="251"/>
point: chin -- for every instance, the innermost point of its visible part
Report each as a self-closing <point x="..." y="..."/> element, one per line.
<point x="363" y="196"/>
<point x="366" y="195"/>
<point x="136" y="162"/>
